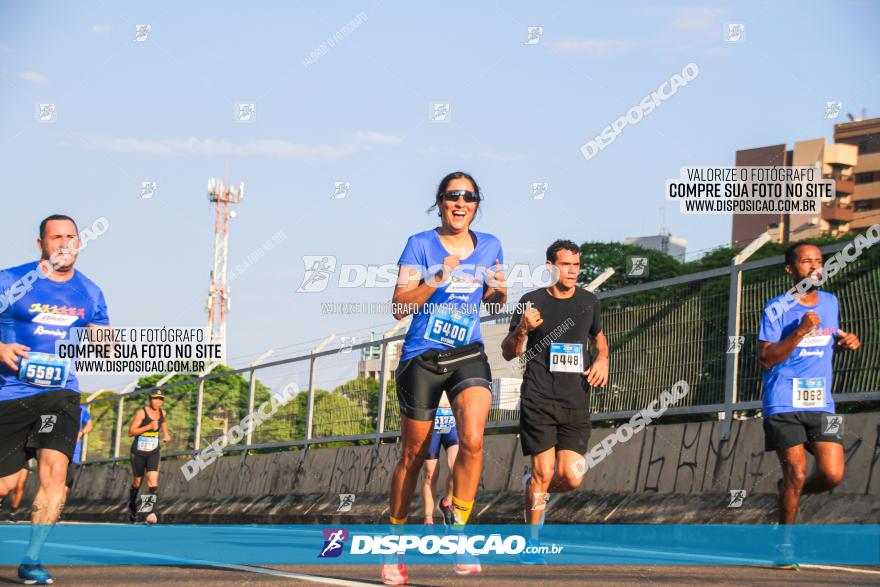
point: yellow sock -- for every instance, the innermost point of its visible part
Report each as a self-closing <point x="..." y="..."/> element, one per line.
<point x="397" y="521"/>
<point x="461" y="511"/>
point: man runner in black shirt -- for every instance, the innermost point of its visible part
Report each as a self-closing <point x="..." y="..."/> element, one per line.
<point x="554" y="326"/>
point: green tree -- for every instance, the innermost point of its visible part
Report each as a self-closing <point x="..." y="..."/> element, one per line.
<point x="225" y="404"/>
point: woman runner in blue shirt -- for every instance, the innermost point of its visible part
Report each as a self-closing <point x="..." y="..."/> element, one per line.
<point x="445" y="274"/>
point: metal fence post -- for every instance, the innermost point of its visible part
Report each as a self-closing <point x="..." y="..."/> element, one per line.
<point x="200" y="404"/>
<point x="200" y="399"/>
<point x="118" y="438"/>
<point x="731" y="368"/>
<point x="383" y="389"/>
<point x="600" y="279"/>
<point x="84" y="453"/>
<point x="734" y="311"/>
<point x="310" y="412"/>
<point x="252" y="389"/>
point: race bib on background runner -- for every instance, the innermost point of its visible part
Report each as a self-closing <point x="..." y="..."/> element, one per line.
<point x="444" y="420"/>
<point x="450" y="327"/>
<point x="148" y="443"/>
<point x="566" y="357"/>
<point x="44" y="370"/>
<point x="808" y="393"/>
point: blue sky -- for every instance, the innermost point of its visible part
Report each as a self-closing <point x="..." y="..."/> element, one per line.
<point x="163" y="110"/>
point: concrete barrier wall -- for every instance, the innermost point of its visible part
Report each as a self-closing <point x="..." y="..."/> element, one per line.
<point x="665" y="460"/>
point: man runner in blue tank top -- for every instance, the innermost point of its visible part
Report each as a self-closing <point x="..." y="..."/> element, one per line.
<point x="797" y="340"/>
<point x="39" y="393"/>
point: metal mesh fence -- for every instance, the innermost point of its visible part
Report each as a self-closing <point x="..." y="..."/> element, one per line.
<point x="99" y="444"/>
<point x="283" y="421"/>
<point x="657" y="336"/>
<point x="343" y="405"/>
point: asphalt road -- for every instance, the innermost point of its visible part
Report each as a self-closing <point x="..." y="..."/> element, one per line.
<point x="424" y="575"/>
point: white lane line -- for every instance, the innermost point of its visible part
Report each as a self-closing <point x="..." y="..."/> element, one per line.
<point x="207" y="563"/>
<point x="301" y="577"/>
<point x="722" y="560"/>
<point x="848" y="569"/>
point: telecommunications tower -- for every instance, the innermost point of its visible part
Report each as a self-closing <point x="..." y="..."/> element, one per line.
<point x="223" y="197"/>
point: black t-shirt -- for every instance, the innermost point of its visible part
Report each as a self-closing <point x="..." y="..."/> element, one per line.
<point x="570" y="320"/>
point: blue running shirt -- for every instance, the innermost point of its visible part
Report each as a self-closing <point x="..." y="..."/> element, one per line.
<point x="39" y="317"/>
<point x="84" y="418"/>
<point x="459" y="299"/>
<point x="802" y="382"/>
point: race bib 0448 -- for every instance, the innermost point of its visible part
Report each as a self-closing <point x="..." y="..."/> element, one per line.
<point x="566" y="357"/>
<point x="44" y="370"/>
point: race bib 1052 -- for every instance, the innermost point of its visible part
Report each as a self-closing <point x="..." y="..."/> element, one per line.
<point x="808" y="393"/>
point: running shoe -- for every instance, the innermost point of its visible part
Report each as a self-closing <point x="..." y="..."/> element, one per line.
<point x="467" y="564"/>
<point x="32" y="573"/>
<point x="784" y="558"/>
<point x="394" y="570"/>
<point x="532" y="558"/>
<point x="446" y="510"/>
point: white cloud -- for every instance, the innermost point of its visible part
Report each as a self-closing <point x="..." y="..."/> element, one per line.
<point x="273" y="148"/>
<point x="594" y="47"/>
<point x="696" y="18"/>
<point x="33" y="76"/>
<point x="377" y="138"/>
<point x="100" y="28"/>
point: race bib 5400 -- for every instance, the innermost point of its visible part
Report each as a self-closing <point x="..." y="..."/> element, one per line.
<point x="450" y="327"/>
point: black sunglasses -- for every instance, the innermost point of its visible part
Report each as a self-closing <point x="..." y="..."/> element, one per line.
<point x="469" y="197"/>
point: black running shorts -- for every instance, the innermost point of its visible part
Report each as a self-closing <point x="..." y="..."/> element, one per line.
<point x="45" y="420"/>
<point x="141" y="463"/>
<point x="545" y="424"/>
<point x="423" y="379"/>
<point x="783" y="431"/>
